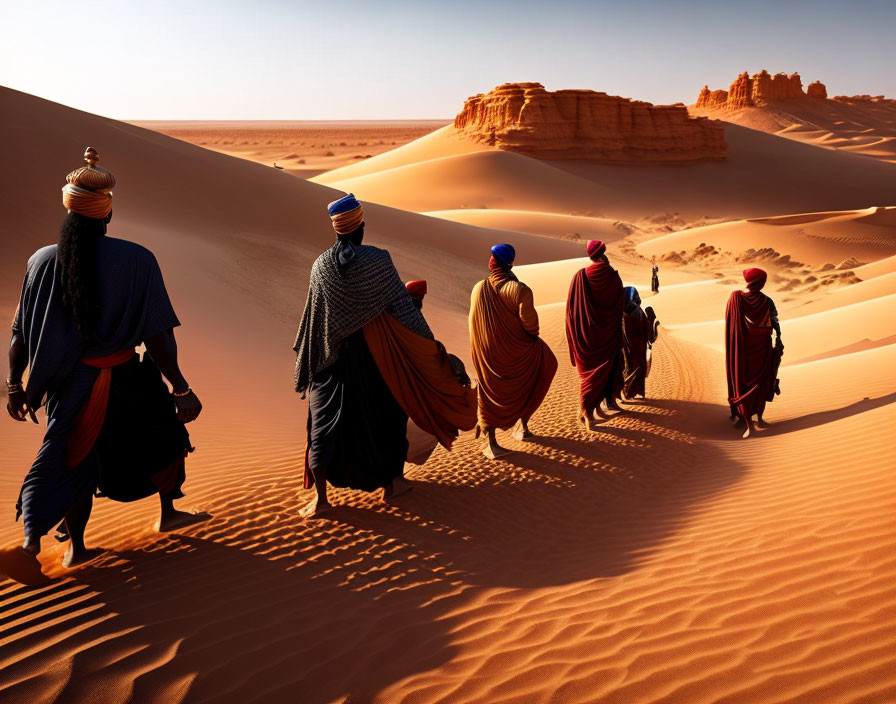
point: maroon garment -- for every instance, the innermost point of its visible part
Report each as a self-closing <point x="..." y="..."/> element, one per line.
<point x="748" y="352"/>
<point x="637" y="334"/>
<point x="594" y="331"/>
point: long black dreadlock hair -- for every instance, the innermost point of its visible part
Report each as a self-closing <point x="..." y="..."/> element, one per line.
<point x="76" y="256"/>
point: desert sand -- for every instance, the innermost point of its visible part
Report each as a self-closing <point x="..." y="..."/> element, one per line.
<point x="659" y="558"/>
<point x="303" y="148"/>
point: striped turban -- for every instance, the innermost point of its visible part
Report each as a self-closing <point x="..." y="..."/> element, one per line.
<point x="595" y="249"/>
<point x="88" y="190"/>
<point x="346" y="214"/>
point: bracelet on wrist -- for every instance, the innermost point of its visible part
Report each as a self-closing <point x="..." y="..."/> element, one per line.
<point x="183" y="393"/>
<point x="14" y="387"/>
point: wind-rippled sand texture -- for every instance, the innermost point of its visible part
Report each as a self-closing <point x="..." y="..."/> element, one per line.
<point x="659" y="558"/>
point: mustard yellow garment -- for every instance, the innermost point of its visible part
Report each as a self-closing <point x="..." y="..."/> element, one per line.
<point x="514" y="366"/>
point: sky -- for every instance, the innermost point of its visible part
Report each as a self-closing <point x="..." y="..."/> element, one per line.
<point x="414" y="59"/>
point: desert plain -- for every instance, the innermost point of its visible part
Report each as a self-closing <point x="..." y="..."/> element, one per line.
<point x="658" y="558"/>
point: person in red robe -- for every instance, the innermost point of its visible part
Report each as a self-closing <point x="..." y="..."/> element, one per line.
<point x="751" y="360"/>
<point x="594" y="332"/>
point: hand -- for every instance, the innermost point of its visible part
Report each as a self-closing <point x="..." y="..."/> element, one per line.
<point x="188" y="407"/>
<point x="18" y="408"/>
<point x="459" y="370"/>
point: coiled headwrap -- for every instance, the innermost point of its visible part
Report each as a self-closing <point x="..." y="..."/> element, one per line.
<point x="88" y="189"/>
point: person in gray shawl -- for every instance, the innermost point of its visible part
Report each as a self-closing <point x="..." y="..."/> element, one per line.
<point x="367" y="360"/>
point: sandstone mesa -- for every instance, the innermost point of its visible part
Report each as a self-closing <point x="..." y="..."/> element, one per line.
<point x="585" y="124"/>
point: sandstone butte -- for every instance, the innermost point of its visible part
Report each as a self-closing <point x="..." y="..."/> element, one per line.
<point x="585" y="124"/>
<point x="758" y="90"/>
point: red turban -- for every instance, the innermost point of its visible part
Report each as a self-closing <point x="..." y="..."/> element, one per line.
<point x="417" y="289"/>
<point x="755" y="278"/>
<point x="596" y="248"/>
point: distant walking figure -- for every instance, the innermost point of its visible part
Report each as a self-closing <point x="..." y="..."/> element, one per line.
<point x="113" y="426"/>
<point x="514" y="365"/>
<point x="655" y="277"/>
<point x="368" y="360"/>
<point x="639" y="333"/>
<point x="594" y="332"/>
<point x="751" y="361"/>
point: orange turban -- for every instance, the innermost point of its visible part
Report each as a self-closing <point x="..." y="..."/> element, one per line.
<point x="87" y="190"/>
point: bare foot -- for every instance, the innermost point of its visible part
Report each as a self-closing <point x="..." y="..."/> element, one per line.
<point x="522" y="432"/>
<point x="494" y="451"/>
<point x="600" y="413"/>
<point x="315" y="508"/>
<point x="73" y="558"/>
<point x="175" y="520"/>
<point x="22" y="567"/>
<point x="399" y="486"/>
<point x="586" y="420"/>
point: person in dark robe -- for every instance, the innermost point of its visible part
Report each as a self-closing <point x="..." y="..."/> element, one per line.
<point x="638" y="335"/>
<point x="113" y="426"/>
<point x="514" y="365"/>
<point x="654" y="277"/>
<point x="368" y="361"/>
<point x="594" y="311"/>
<point x="750" y="358"/>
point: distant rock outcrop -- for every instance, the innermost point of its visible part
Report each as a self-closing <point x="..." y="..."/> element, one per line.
<point x="757" y="90"/>
<point x="816" y="89"/>
<point x="584" y="124"/>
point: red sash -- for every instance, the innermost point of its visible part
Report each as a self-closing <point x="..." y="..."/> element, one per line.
<point x="89" y="421"/>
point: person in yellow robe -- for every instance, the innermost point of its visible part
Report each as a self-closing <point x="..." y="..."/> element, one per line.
<point x="514" y="365"/>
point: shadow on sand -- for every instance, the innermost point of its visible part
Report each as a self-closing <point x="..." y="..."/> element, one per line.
<point x="261" y="606"/>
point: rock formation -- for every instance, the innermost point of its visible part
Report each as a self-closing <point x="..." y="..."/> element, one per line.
<point x="757" y="90"/>
<point x="816" y="89"/>
<point x="584" y="124"/>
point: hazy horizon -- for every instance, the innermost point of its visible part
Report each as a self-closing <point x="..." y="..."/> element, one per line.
<point x="278" y="60"/>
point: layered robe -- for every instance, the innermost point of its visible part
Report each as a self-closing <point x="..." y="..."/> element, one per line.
<point x="594" y="332"/>
<point x="639" y="333"/>
<point x="111" y="423"/>
<point x="514" y="365"/>
<point x="751" y="361"/>
<point x="368" y="361"/>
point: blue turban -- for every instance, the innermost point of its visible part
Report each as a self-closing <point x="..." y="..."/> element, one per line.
<point x="631" y="293"/>
<point x="343" y="205"/>
<point x="504" y="253"/>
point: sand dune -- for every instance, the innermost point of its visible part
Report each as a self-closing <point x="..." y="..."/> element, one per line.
<point x="863" y="127"/>
<point x="763" y="175"/>
<point x="658" y="558"/>
<point x="573" y="227"/>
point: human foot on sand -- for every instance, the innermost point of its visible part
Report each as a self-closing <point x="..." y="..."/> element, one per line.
<point x="22" y="567"/>
<point x="315" y="508"/>
<point x="174" y="520"/>
<point x="73" y="557"/>
<point x="613" y="406"/>
<point x="522" y="432"/>
<point x="399" y="486"/>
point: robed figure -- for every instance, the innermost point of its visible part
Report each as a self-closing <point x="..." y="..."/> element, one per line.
<point x="368" y="361"/>
<point x="639" y="332"/>
<point x="514" y="365"/>
<point x="594" y="333"/>
<point x="750" y="358"/>
<point x="113" y="426"/>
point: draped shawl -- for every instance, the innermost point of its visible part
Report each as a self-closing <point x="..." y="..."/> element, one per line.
<point x="594" y="329"/>
<point x="342" y="299"/>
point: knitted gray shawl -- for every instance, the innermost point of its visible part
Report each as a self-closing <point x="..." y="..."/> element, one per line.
<point x="342" y="299"/>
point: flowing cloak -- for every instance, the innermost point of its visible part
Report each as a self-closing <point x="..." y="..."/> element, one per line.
<point x="637" y="331"/>
<point x="369" y="361"/>
<point x="749" y="355"/>
<point x="514" y="366"/>
<point x="133" y="306"/>
<point x="594" y="331"/>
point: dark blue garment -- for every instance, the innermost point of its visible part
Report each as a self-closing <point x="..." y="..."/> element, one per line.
<point x="133" y="306"/>
<point x="504" y="253"/>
